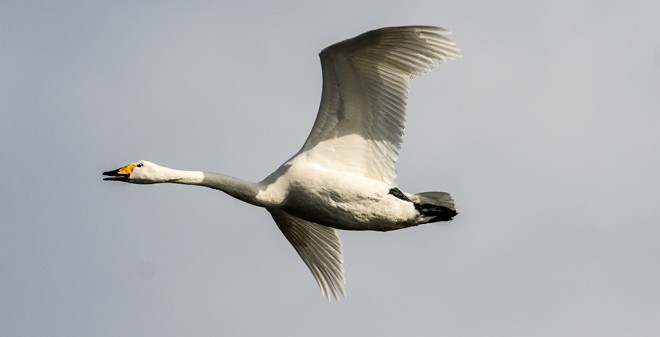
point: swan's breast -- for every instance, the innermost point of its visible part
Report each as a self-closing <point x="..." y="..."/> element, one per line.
<point x="343" y="200"/>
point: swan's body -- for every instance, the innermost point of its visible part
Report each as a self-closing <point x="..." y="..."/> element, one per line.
<point x="343" y="177"/>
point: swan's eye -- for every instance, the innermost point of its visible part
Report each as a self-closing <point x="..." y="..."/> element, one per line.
<point x="139" y="165"/>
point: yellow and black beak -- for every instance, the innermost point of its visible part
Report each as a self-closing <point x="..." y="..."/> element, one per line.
<point x="120" y="174"/>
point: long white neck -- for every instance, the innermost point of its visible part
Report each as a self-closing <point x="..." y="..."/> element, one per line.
<point x="237" y="188"/>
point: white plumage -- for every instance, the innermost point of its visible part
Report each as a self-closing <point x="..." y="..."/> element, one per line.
<point x="344" y="175"/>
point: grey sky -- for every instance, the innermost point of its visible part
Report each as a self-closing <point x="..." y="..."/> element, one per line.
<point x="546" y="133"/>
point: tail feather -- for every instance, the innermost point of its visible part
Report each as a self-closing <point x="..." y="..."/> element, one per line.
<point x="438" y="206"/>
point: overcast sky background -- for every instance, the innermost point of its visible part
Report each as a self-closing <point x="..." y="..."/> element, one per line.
<point x="546" y="132"/>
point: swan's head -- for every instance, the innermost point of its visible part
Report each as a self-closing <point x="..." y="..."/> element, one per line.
<point x="141" y="172"/>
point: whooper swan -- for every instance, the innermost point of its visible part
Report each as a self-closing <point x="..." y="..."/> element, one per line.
<point x="343" y="176"/>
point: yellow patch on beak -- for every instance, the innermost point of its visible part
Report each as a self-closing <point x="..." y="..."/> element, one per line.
<point x="126" y="169"/>
<point x="120" y="174"/>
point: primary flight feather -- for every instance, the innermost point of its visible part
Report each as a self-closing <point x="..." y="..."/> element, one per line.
<point x="344" y="175"/>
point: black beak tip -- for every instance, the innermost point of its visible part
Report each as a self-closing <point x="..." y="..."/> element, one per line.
<point x="112" y="173"/>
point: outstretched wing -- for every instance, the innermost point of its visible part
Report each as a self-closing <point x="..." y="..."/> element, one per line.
<point x="320" y="249"/>
<point x="361" y="118"/>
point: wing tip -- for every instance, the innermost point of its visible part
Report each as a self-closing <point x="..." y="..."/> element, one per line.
<point x="435" y="41"/>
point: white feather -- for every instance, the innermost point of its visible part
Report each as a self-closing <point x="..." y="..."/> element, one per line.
<point x="359" y="126"/>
